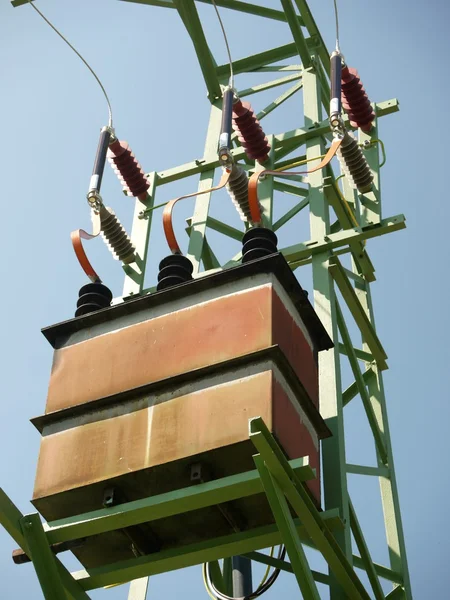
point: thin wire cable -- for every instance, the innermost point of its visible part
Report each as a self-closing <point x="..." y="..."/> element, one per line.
<point x="231" y="81"/>
<point x="336" y="15"/>
<point x="110" y="123"/>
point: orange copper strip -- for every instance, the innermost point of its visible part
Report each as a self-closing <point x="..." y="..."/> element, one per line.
<point x="168" y="210"/>
<point x="76" y="237"/>
<point x="253" y="201"/>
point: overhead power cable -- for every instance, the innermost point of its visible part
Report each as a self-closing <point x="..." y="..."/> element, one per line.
<point x="231" y="82"/>
<point x="110" y="123"/>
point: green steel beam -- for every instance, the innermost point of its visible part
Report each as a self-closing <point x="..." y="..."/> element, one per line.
<point x="388" y="486"/>
<point x="334" y="476"/>
<point x="365" y="554"/>
<point x="342" y="238"/>
<point x="290" y="214"/>
<point x="371" y="471"/>
<point x="250" y="63"/>
<point x="228" y="230"/>
<point x="262" y="87"/>
<point x="164" y="505"/>
<point x="288" y="188"/>
<point x="285" y="523"/>
<point x="361" y="354"/>
<point x="367" y="330"/>
<point x="44" y="560"/>
<point x="353" y="389"/>
<point x="227" y="574"/>
<point x="284" y="565"/>
<point x="362" y="390"/>
<point x="297" y="33"/>
<point x="305" y="509"/>
<point x="353" y="276"/>
<point x="347" y="219"/>
<point x="279" y="101"/>
<point x="10" y="519"/>
<point x="295" y="137"/>
<point x="209" y="259"/>
<point x="216" y="575"/>
<point x="380" y="570"/>
<point x="314" y="32"/>
<point x="398" y="593"/>
<point x="244" y="7"/>
<point x="189" y="15"/>
<point x="193" y="554"/>
<point x="202" y="202"/>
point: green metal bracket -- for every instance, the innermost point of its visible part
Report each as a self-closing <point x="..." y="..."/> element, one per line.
<point x="190" y="18"/>
<point x="365" y="555"/>
<point x="283" y="519"/>
<point x="358" y="313"/>
<point x="11" y="520"/>
<point x="377" y="434"/>
<point x="353" y="389"/>
<point x="337" y="240"/>
<point x="43" y="559"/>
<point x="398" y="593"/>
<point x="306" y="511"/>
<point x="165" y="505"/>
<point x="297" y="33"/>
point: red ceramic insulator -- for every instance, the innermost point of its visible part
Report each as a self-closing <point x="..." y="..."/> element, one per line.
<point x="250" y="134"/>
<point x="127" y="169"/>
<point x="355" y="101"/>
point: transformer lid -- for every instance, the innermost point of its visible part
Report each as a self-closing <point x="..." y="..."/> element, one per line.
<point x="274" y="263"/>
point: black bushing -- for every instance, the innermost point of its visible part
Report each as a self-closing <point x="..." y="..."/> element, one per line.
<point x="258" y="242"/>
<point x="92" y="297"/>
<point x="173" y="270"/>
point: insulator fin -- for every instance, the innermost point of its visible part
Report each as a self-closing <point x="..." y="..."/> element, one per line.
<point x="116" y="237"/>
<point x="354" y="164"/>
<point x="355" y="100"/>
<point x="251" y="135"/>
<point x="173" y="270"/>
<point x="127" y="168"/>
<point x="93" y="297"/>
<point x="237" y="188"/>
<point x="258" y="242"/>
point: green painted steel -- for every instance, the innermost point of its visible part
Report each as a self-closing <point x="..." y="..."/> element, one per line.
<point x="304" y="507"/>
<point x="365" y="554"/>
<point x="193" y="554"/>
<point x="43" y="559"/>
<point x="165" y="505"/>
<point x="285" y="522"/>
<point x="341" y="222"/>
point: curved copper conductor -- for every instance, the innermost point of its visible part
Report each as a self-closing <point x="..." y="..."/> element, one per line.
<point x="253" y="201"/>
<point x="168" y="210"/>
<point x="76" y="237"/>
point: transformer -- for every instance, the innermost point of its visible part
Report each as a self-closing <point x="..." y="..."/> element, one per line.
<point x="155" y="394"/>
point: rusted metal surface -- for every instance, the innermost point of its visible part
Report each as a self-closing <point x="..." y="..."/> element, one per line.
<point x="187" y="339"/>
<point x="166" y="432"/>
<point x="294" y="345"/>
<point x="293" y="433"/>
<point x="153" y="450"/>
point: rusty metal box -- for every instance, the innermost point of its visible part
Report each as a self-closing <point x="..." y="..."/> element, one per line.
<point x="142" y="391"/>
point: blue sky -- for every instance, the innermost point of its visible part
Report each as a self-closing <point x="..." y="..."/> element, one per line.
<point x="51" y="111"/>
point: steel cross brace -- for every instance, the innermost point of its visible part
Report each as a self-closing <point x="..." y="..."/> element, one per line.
<point x="272" y="458"/>
<point x="27" y="532"/>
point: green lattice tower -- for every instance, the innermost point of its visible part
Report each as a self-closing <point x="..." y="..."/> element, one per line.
<point x="330" y="278"/>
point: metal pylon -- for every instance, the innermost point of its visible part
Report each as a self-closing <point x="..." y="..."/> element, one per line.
<point x="338" y="291"/>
